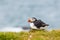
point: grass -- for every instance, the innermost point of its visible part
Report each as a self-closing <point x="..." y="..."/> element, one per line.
<point x="32" y="35"/>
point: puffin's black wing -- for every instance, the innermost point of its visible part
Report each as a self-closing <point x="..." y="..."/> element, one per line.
<point x="39" y="23"/>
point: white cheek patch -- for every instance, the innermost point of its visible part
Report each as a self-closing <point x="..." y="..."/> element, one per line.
<point x="32" y="19"/>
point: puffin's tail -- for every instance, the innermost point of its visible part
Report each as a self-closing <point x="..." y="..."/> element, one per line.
<point x="45" y="25"/>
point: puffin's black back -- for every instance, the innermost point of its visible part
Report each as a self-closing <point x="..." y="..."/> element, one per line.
<point x="39" y="23"/>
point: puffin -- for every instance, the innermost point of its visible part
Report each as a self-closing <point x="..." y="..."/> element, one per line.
<point x="36" y="24"/>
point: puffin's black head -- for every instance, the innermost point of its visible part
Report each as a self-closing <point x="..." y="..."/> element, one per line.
<point x="32" y="19"/>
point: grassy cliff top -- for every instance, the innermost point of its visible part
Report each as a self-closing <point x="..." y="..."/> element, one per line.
<point x="31" y="35"/>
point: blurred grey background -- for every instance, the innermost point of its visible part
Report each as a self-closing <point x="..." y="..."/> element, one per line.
<point x="14" y="13"/>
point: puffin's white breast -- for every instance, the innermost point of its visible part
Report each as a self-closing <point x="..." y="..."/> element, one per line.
<point x="33" y="26"/>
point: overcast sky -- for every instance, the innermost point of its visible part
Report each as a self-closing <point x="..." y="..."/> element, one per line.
<point x="15" y="12"/>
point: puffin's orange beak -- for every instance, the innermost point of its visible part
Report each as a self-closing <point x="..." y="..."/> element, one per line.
<point x="29" y="20"/>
